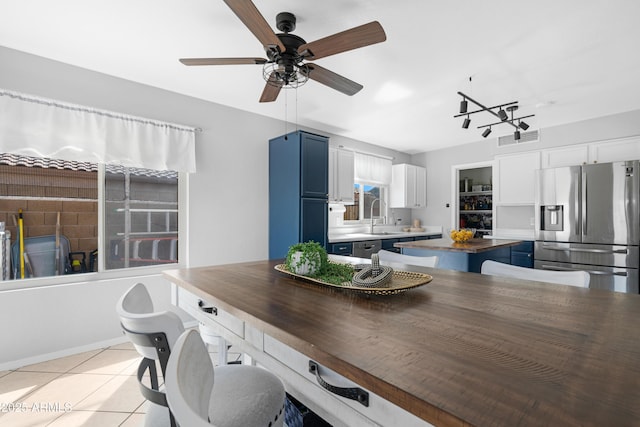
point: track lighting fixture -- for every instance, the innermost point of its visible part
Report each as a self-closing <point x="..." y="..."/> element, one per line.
<point x="463" y="105"/>
<point x="498" y="111"/>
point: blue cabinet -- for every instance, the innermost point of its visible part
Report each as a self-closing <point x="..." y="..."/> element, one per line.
<point x="343" y="248"/>
<point x="522" y="254"/>
<point x="387" y="244"/>
<point x="298" y="189"/>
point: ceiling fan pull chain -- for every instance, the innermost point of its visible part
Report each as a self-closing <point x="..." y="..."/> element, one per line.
<point x="296" y="89"/>
<point x="286" y="104"/>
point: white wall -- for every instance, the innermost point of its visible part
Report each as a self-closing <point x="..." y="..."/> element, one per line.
<point x="439" y="162"/>
<point x="228" y="203"/>
<point x="54" y="321"/>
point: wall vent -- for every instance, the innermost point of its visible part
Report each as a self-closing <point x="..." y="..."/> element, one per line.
<point x="504" y="141"/>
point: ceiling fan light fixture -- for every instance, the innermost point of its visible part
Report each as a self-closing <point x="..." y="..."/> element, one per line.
<point x="466" y="123"/>
<point x="285" y="77"/>
<point x="486" y="132"/>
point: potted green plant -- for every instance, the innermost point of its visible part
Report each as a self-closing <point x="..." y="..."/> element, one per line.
<point x="307" y="259"/>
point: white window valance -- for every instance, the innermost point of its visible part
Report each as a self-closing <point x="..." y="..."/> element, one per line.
<point x="40" y="127"/>
<point x="372" y="169"/>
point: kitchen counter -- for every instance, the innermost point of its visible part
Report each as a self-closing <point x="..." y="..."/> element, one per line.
<point x="473" y="246"/>
<point x="358" y="237"/>
<point x="463" y="350"/>
<point x="467" y="256"/>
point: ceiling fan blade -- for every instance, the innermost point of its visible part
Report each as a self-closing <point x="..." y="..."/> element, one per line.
<point x="331" y="79"/>
<point x="222" y="61"/>
<point x="271" y="89"/>
<point x="255" y="22"/>
<point x="356" y="37"/>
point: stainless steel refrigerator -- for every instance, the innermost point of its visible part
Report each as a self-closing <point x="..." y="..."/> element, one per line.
<point x="588" y="218"/>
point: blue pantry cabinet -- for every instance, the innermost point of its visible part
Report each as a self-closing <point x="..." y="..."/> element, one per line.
<point x="298" y="191"/>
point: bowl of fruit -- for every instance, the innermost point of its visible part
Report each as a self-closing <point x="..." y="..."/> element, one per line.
<point x="462" y="235"/>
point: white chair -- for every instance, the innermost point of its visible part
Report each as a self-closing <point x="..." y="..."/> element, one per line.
<point x="153" y="334"/>
<point x="423" y="261"/>
<point x="572" y="278"/>
<point x="231" y="395"/>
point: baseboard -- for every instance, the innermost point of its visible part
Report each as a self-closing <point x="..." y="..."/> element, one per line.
<point x="16" y="364"/>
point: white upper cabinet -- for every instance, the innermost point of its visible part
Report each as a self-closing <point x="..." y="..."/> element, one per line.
<point x="341" y="177"/>
<point x="615" y="151"/>
<point x="595" y="152"/>
<point x="566" y="156"/>
<point x="515" y="178"/>
<point x="408" y="186"/>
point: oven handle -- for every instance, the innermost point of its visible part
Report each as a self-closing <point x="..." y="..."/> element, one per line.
<point x="594" y="272"/>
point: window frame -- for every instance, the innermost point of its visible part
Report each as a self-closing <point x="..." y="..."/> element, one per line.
<point x="102" y="274"/>
<point x="384" y="190"/>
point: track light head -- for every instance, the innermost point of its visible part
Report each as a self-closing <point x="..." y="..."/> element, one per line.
<point x="486" y="132"/>
<point x="522" y="125"/>
<point x="502" y="114"/>
<point x="466" y="123"/>
<point x="463" y="105"/>
<point x="516" y="135"/>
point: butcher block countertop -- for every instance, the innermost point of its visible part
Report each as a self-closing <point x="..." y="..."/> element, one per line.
<point x="463" y="350"/>
<point x="473" y="246"/>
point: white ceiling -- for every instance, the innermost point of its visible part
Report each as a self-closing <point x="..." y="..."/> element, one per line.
<point x="564" y="61"/>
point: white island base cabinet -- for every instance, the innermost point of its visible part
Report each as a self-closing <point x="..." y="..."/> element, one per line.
<point x="293" y="368"/>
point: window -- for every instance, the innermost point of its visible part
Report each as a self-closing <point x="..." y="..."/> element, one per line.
<point x="141" y="217"/>
<point x="367" y="197"/>
<point x="60" y="218"/>
<point x="372" y="176"/>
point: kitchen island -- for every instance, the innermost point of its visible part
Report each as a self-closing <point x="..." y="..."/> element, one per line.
<point x="463" y="350"/>
<point x="467" y="256"/>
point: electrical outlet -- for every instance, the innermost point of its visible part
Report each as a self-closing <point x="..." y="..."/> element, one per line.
<point x="532" y="221"/>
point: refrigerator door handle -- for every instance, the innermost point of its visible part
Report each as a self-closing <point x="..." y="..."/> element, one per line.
<point x="584" y="204"/>
<point x="576" y="204"/>
<point x="594" y="272"/>
<point x="592" y="251"/>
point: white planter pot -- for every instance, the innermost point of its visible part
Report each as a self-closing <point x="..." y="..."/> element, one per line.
<point x="305" y="268"/>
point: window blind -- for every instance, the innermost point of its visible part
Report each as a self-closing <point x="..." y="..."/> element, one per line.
<point x="40" y="127"/>
<point x="372" y="169"/>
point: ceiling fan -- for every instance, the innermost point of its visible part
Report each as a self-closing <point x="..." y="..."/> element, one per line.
<point x="287" y="52"/>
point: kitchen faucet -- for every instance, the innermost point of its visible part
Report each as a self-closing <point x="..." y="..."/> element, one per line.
<point x="371" y="212"/>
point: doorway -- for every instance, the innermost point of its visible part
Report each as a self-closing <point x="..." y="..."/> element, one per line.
<point x="472" y="197"/>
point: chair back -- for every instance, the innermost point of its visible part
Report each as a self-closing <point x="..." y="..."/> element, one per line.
<point x="423" y="261"/>
<point x="135" y="309"/>
<point x="572" y="278"/>
<point x="189" y="380"/>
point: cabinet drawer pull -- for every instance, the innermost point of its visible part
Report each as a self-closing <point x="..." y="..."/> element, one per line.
<point x="207" y="309"/>
<point x="353" y="393"/>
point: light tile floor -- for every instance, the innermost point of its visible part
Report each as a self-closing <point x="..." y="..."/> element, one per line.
<point x="97" y="388"/>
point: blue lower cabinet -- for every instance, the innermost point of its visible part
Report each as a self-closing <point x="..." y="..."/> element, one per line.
<point x="522" y="254"/>
<point x="433" y="236"/>
<point x="344" y="248"/>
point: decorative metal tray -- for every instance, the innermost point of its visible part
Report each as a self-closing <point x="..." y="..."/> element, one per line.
<point x="400" y="282"/>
